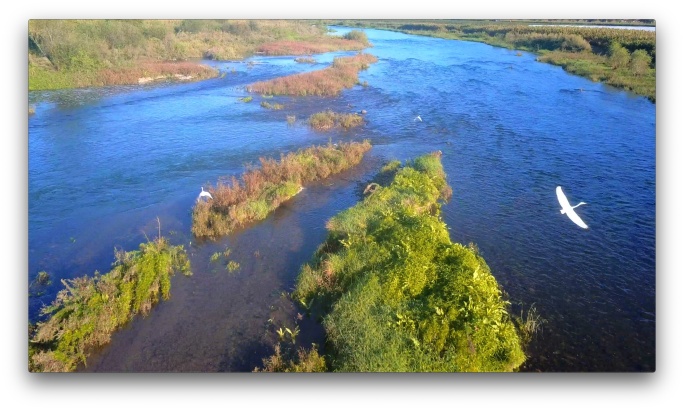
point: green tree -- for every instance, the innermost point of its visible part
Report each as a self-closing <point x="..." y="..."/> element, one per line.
<point x="619" y="56"/>
<point x="640" y="62"/>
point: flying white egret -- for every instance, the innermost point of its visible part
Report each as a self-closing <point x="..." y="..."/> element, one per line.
<point x="418" y="119"/>
<point x="204" y="194"/>
<point x="570" y="210"/>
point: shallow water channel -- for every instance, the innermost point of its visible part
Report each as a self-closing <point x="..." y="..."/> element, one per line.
<point x="104" y="164"/>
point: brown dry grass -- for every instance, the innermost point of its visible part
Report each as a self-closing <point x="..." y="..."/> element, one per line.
<point x="263" y="188"/>
<point x="300" y="48"/>
<point x="344" y="73"/>
<point x="327" y="120"/>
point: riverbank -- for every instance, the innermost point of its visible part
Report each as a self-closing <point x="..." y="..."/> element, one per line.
<point x="85" y="53"/>
<point x="625" y="59"/>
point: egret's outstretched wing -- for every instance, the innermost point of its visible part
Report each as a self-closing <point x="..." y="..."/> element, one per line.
<point x="575" y="218"/>
<point x="568" y="210"/>
<point x="562" y="199"/>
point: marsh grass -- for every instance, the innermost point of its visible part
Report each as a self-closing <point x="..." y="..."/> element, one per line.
<point x="89" y="309"/>
<point x="344" y="73"/>
<point x="39" y="283"/>
<point x="232" y="266"/>
<point x="305" y="60"/>
<point x="529" y="324"/>
<point x="261" y="189"/>
<point x="600" y="69"/>
<point x="41" y="78"/>
<point x="272" y="106"/>
<point x="299" y="48"/>
<point x="291" y="359"/>
<point x="396" y="295"/>
<point x="326" y="120"/>
<point x="78" y="53"/>
<point x="246" y="99"/>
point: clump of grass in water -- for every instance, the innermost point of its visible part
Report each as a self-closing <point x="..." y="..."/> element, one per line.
<point x="218" y="255"/>
<point x="529" y="324"/>
<point x="89" y="309"/>
<point x="396" y="295"/>
<point x="344" y="73"/>
<point x="291" y="119"/>
<point x="232" y="266"/>
<point x="262" y="189"/>
<point x="306" y="60"/>
<point x="300" y="360"/>
<point x="327" y="120"/>
<point x="274" y="106"/>
<point x="246" y="99"/>
<point x="38" y="285"/>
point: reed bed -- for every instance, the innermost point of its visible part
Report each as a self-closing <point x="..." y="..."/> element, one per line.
<point x="41" y="78"/>
<point x="329" y="119"/>
<point x="343" y="74"/>
<point x="88" y="310"/>
<point x="262" y="188"/>
<point x="77" y="53"/>
<point x="299" y="48"/>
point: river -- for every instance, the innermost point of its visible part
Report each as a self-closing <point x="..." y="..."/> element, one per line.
<point x="105" y="163"/>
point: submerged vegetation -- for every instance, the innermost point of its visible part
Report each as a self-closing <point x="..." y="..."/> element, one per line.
<point x="79" y="53"/>
<point x="586" y="51"/>
<point x="396" y="295"/>
<point x="88" y="310"/>
<point x="296" y="361"/>
<point x="326" y="120"/>
<point x="344" y="73"/>
<point x="305" y="60"/>
<point x="263" y="188"/>
<point x="272" y="106"/>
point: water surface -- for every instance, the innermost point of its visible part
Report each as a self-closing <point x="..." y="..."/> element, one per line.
<point x="105" y="163"/>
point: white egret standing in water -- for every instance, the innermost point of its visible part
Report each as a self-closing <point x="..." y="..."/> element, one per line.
<point x="570" y="210"/>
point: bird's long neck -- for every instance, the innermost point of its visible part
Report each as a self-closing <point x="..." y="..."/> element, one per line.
<point x="581" y="203"/>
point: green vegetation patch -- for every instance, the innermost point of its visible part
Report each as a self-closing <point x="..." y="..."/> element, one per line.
<point x="262" y="189"/>
<point x="327" y="120"/>
<point x="272" y="106"/>
<point x="396" y="295"/>
<point x="89" y="309"/>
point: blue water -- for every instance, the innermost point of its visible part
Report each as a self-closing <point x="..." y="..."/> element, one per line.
<point x="105" y="163"/>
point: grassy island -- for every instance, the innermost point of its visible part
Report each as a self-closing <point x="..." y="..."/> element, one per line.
<point x="344" y="73"/>
<point x="396" y="295"/>
<point x="327" y="120"/>
<point x="89" y="309"/>
<point x="262" y="189"/>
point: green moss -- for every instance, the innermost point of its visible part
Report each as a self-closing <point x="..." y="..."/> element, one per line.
<point x="396" y="295"/>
